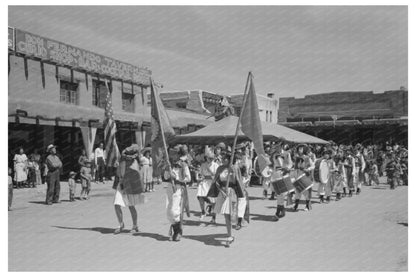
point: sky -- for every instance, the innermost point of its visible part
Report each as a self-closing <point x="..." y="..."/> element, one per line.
<point x="292" y="51"/>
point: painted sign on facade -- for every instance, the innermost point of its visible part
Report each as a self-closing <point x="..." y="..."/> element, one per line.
<point x="47" y="49"/>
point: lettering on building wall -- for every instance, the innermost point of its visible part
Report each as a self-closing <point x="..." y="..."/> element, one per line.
<point x="40" y="47"/>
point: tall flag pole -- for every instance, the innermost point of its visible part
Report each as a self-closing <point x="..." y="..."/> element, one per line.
<point x="250" y="125"/>
<point x="111" y="148"/>
<point x="161" y="128"/>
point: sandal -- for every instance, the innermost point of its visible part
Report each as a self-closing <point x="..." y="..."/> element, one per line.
<point x="135" y="230"/>
<point x="229" y="241"/>
<point x="119" y="229"/>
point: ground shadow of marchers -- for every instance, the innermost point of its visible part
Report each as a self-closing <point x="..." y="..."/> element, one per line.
<point x="102" y="230"/>
<point x="379" y="187"/>
<point x="262" y="217"/>
<point x="151" y="235"/>
<point x="187" y="222"/>
<point x="38" y="202"/>
<point x="211" y="240"/>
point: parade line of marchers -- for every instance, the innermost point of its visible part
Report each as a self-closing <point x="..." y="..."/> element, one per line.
<point x="223" y="172"/>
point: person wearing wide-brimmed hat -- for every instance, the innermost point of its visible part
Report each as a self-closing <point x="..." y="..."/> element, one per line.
<point x="207" y="170"/>
<point x="129" y="187"/>
<point x="219" y="148"/>
<point x="147" y="169"/>
<point x="54" y="165"/>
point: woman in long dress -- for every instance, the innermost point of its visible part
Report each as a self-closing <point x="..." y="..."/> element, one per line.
<point x="20" y="168"/>
<point x="128" y="186"/>
<point x="146" y="170"/>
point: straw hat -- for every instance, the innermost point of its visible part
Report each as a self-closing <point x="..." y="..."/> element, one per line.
<point x="50" y="147"/>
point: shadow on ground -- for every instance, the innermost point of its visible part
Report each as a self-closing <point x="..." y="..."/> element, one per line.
<point x="102" y="230"/>
<point x="211" y="240"/>
<point x="152" y="235"/>
<point x="261" y="217"/>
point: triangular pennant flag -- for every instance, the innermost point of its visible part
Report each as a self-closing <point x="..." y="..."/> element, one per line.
<point x="251" y="125"/>
<point x="161" y="129"/>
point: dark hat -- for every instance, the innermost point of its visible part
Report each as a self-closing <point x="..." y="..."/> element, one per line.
<point x="182" y="150"/>
<point x="304" y="146"/>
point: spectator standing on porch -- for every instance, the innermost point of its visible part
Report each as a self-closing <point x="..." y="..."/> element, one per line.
<point x="54" y="164"/>
<point x="20" y="168"/>
<point x="99" y="157"/>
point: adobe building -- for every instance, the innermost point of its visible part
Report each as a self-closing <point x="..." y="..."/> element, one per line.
<point x="268" y="106"/>
<point x="199" y="101"/>
<point x="349" y="117"/>
<point x="56" y="95"/>
<point x="208" y="103"/>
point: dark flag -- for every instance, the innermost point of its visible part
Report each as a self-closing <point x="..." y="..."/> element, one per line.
<point x="161" y="130"/>
<point x="111" y="148"/>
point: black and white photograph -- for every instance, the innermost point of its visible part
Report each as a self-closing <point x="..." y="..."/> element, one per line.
<point x="207" y="138"/>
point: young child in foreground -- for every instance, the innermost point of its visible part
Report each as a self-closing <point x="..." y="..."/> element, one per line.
<point x="72" y="185"/>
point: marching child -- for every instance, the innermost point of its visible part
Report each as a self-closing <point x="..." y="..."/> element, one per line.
<point x="72" y="185"/>
<point x="373" y="173"/>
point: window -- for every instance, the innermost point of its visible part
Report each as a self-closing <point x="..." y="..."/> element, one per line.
<point x="267" y="116"/>
<point x="181" y="105"/>
<point x="127" y="102"/>
<point x="69" y="93"/>
<point x="99" y="93"/>
<point x="271" y="117"/>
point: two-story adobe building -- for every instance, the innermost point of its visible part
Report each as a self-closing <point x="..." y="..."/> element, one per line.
<point x="56" y="95"/>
